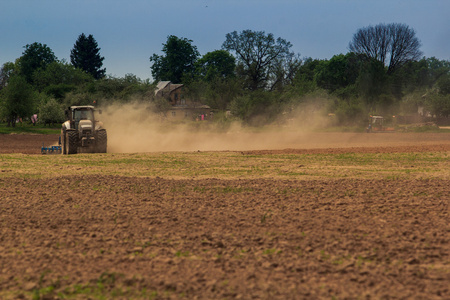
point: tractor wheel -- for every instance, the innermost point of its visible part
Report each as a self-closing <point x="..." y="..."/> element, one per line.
<point x="71" y="141"/>
<point x="102" y="141"/>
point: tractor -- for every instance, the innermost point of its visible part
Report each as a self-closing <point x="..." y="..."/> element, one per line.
<point x="377" y="124"/>
<point x="82" y="132"/>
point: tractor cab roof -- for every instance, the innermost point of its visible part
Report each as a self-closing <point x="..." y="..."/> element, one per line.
<point x="82" y="107"/>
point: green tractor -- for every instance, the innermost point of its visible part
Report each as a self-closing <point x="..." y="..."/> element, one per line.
<point x="82" y="132"/>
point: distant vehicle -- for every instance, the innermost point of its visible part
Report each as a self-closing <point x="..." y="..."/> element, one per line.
<point x="82" y="132"/>
<point x="376" y="124"/>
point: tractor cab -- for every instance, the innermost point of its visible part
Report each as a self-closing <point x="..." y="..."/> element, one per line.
<point x="83" y="114"/>
<point x="375" y="123"/>
<point x="378" y="124"/>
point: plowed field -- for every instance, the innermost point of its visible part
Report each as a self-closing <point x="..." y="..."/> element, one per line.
<point x="364" y="219"/>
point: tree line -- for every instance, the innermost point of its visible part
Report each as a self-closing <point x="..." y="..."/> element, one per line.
<point x="38" y="82"/>
<point x="254" y="74"/>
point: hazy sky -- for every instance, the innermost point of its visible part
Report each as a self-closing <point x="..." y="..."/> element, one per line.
<point x="130" y="31"/>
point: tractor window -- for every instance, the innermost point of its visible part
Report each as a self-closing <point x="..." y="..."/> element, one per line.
<point x="83" y="115"/>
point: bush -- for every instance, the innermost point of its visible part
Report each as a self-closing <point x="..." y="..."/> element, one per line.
<point x="438" y="104"/>
<point x="51" y="112"/>
<point x="258" y="108"/>
<point x="350" y="112"/>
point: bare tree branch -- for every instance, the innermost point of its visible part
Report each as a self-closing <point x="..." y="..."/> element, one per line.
<point x="394" y="43"/>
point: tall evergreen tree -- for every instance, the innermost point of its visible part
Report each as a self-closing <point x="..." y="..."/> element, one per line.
<point x="86" y="56"/>
<point x="36" y="56"/>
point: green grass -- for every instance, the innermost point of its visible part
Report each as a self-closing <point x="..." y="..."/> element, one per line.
<point x="105" y="287"/>
<point x="420" y="129"/>
<point x="29" y="128"/>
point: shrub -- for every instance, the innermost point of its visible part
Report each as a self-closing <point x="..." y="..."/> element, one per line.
<point x="51" y="112"/>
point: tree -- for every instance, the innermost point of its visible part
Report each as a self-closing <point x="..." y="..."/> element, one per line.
<point x="416" y="75"/>
<point x="258" y="55"/>
<point x="123" y="89"/>
<point x="438" y="100"/>
<point x="218" y="64"/>
<point x="373" y="84"/>
<point x="5" y="73"/>
<point x="60" y="78"/>
<point x="178" y="61"/>
<point x="304" y="77"/>
<point x="18" y="99"/>
<point x="338" y="72"/>
<point x="36" y="56"/>
<point x="443" y="84"/>
<point x="393" y="44"/>
<point x="85" y="55"/>
<point x="437" y="69"/>
<point x="284" y="71"/>
<point x="423" y="74"/>
<point x="221" y="92"/>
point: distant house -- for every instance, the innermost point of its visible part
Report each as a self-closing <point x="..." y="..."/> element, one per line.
<point x="182" y="107"/>
<point x="172" y="92"/>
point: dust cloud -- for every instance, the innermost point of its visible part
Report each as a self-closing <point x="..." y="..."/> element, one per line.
<point x="134" y="128"/>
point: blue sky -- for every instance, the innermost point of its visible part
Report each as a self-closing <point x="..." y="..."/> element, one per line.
<point x="129" y="32"/>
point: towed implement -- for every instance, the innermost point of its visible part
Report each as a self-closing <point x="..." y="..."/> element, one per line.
<point x="52" y="149"/>
<point x="82" y="132"/>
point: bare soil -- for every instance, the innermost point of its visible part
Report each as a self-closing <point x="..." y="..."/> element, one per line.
<point x="26" y="143"/>
<point x="156" y="238"/>
<point x="279" y="142"/>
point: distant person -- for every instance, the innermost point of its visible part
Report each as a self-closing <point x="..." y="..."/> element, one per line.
<point x="34" y="119"/>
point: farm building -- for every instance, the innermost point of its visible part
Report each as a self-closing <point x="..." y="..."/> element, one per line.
<point x="181" y="106"/>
